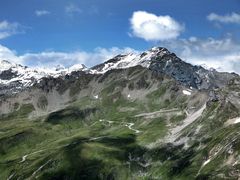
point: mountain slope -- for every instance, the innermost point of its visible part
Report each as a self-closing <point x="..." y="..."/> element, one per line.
<point x="151" y="116"/>
<point x="15" y="78"/>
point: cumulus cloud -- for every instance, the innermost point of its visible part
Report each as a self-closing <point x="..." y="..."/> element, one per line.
<point x="221" y="54"/>
<point x="53" y="58"/>
<point x="228" y="18"/>
<point x="40" y="13"/>
<point x="8" y="29"/>
<point x="71" y="9"/>
<point x="154" y="28"/>
<point x="8" y="54"/>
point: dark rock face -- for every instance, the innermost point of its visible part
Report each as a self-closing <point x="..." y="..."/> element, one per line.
<point x="142" y="83"/>
<point x="11" y="88"/>
<point x="183" y="72"/>
<point x="61" y="84"/>
<point x="213" y="96"/>
<point x="187" y="74"/>
<point x="8" y="74"/>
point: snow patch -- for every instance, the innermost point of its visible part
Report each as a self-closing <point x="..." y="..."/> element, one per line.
<point x="187" y="92"/>
<point x="206" y="162"/>
<point x="102" y="120"/>
<point x="40" y="168"/>
<point x="237" y="120"/>
<point x="233" y="121"/>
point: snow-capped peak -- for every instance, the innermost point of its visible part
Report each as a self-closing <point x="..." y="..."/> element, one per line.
<point x="78" y="67"/>
<point x="5" y="65"/>
<point x="59" y="67"/>
<point x="24" y="76"/>
<point x="130" y="60"/>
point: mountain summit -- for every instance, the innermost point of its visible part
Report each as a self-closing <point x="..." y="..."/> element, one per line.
<point x="160" y="60"/>
<point x="16" y="77"/>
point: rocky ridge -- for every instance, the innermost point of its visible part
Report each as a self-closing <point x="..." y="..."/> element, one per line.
<point x="15" y="78"/>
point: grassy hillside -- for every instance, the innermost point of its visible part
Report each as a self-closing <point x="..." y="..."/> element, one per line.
<point x="133" y="128"/>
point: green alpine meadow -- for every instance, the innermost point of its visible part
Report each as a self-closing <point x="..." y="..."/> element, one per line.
<point x="158" y="122"/>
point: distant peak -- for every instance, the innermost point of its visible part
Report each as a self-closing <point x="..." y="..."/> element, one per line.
<point x="59" y="67"/>
<point x="157" y="48"/>
<point x="4" y="62"/>
<point x="159" y="51"/>
<point x="5" y="65"/>
<point x="78" y="67"/>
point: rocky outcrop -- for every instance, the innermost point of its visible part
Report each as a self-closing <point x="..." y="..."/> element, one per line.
<point x="187" y="74"/>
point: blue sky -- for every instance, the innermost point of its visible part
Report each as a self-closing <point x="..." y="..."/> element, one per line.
<point x="51" y="32"/>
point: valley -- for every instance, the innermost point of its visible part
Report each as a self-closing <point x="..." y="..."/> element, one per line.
<point x="148" y="120"/>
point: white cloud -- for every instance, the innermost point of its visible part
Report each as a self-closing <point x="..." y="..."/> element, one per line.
<point x="9" y="55"/>
<point x="71" y="9"/>
<point x="154" y="28"/>
<point x="228" y="18"/>
<point x="41" y="13"/>
<point x="224" y="63"/>
<point x="53" y="58"/>
<point x="8" y="29"/>
<point x="221" y="54"/>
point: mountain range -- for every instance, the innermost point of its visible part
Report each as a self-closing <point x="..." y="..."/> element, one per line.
<point x="136" y="116"/>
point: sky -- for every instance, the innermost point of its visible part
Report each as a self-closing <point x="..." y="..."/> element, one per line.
<point x="51" y="32"/>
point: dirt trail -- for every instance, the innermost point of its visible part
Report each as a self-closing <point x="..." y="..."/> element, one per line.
<point x="129" y="125"/>
<point x="157" y="113"/>
<point x="24" y="158"/>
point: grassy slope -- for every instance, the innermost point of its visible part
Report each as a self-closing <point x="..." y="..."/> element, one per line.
<point x="90" y="140"/>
